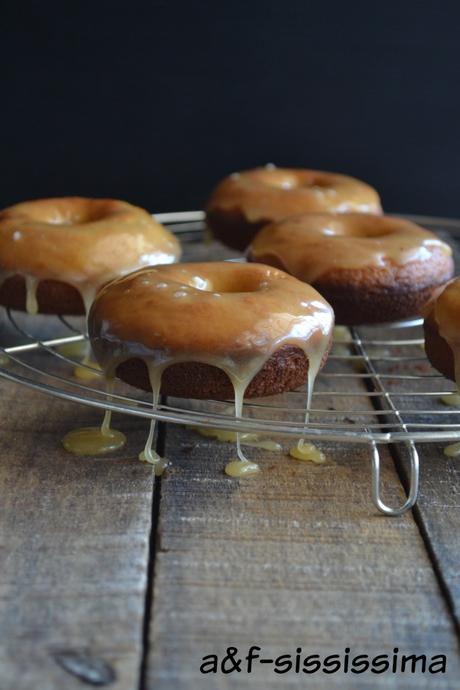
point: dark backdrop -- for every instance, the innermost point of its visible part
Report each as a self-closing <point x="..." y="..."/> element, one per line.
<point x="154" y="101"/>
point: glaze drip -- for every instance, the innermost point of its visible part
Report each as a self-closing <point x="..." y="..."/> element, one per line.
<point x="89" y="370"/>
<point x="242" y="467"/>
<point x="31" y="295"/>
<point x="239" y="469"/>
<point x="77" y="349"/>
<point x="84" y="243"/>
<point x="94" y="440"/>
<point x="246" y="439"/>
<point x="452" y="451"/>
<point x="307" y="451"/>
<point x="451" y="399"/>
<point x="148" y="454"/>
<point x="231" y="316"/>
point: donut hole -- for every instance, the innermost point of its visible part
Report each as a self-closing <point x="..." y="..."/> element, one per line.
<point x="80" y="213"/>
<point x="372" y="232"/>
<point x="228" y="284"/>
<point x="286" y="179"/>
<point x="180" y="282"/>
<point x="237" y="278"/>
<point x="367" y="231"/>
<point x="316" y="182"/>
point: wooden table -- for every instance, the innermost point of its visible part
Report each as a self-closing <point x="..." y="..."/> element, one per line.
<point x="111" y="577"/>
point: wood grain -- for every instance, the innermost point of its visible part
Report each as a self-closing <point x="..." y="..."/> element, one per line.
<point x="438" y="507"/>
<point x="74" y="536"/>
<point x="293" y="557"/>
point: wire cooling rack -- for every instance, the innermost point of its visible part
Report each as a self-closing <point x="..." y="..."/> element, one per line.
<point x="376" y="388"/>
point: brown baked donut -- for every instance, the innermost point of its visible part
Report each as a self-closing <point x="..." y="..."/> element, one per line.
<point x="211" y="330"/>
<point x="246" y="201"/>
<point x="56" y="253"/>
<point x="442" y="331"/>
<point x="370" y="268"/>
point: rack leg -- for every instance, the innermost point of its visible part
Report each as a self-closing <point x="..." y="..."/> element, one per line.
<point x="413" y="488"/>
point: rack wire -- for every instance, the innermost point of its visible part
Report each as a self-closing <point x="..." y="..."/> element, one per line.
<point x="376" y="388"/>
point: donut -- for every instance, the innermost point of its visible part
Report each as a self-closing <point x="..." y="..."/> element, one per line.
<point x="370" y="268"/>
<point x="246" y="201"/>
<point x="211" y="330"/>
<point x="442" y="331"/>
<point x="56" y="253"/>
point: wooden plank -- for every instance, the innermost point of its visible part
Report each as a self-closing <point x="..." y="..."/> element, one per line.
<point x="438" y="511"/>
<point x="292" y="557"/>
<point x="295" y="557"/>
<point x="438" y="508"/>
<point x="74" y="537"/>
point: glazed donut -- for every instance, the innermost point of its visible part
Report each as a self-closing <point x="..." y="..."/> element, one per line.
<point x="211" y="330"/>
<point x="243" y="202"/>
<point x="370" y="268"/>
<point x="442" y="331"/>
<point x="56" y="253"/>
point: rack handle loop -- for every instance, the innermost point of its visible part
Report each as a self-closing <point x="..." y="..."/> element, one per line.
<point x="413" y="484"/>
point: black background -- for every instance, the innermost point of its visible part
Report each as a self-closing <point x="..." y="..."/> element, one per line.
<point x="155" y="101"/>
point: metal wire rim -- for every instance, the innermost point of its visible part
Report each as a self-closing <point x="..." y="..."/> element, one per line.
<point x="393" y="422"/>
<point x="392" y="425"/>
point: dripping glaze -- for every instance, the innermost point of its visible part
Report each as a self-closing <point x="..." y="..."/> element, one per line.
<point x="95" y="440"/>
<point x="83" y="243"/>
<point x="250" y="311"/>
<point x="247" y="439"/>
<point x="88" y="369"/>
<point x="149" y="454"/>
